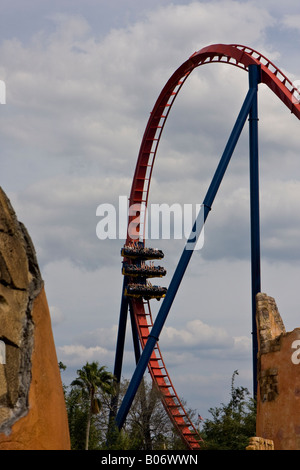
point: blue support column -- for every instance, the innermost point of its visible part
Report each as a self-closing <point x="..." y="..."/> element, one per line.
<point x="119" y="349"/>
<point x="135" y="336"/>
<point x="254" y="80"/>
<point x="121" y="334"/>
<point x="184" y="260"/>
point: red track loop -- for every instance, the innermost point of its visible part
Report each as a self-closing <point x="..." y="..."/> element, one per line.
<point x="239" y="56"/>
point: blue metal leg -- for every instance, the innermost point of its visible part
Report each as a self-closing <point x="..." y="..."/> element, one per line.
<point x="183" y="262"/>
<point x="254" y="80"/>
<point x="119" y="350"/>
<point x="135" y="336"/>
<point x="121" y="334"/>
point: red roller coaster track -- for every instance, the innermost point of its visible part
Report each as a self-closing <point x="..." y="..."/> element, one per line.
<point x="239" y="56"/>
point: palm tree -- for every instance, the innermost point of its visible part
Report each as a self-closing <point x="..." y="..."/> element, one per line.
<point x="90" y="379"/>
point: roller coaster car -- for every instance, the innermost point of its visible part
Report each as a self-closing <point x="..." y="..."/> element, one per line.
<point x="140" y="252"/>
<point x="144" y="271"/>
<point x="145" y="291"/>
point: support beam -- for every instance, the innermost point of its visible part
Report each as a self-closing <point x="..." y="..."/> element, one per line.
<point x="254" y="80"/>
<point x="135" y="336"/>
<point x="121" y="334"/>
<point x="119" y="351"/>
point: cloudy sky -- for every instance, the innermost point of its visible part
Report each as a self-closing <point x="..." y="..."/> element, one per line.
<point x="81" y="79"/>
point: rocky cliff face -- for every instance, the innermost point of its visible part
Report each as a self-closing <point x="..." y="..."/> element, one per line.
<point x="278" y="394"/>
<point x="32" y="408"/>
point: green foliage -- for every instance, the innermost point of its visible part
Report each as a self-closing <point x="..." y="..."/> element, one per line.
<point x="148" y="426"/>
<point x="232" y="424"/>
<point x="91" y="379"/>
<point x="77" y="416"/>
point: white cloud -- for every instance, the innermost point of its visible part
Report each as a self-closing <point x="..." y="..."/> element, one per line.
<point x="106" y="337"/>
<point x="196" y="335"/>
<point x="56" y="315"/>
<point x="291" y="21"/>
<point x="74" y="355"/>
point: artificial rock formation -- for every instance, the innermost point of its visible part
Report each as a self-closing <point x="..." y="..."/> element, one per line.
<point x="278" y="393"/>
<point x="258" y="443"/>
<point x="32" y="407"/>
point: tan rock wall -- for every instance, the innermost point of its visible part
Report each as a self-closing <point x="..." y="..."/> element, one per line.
<point x="258" y="443"/>
<point x="278" y="394"/>
<point x="32" y="408"/>
<point x="45" y="426"/>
